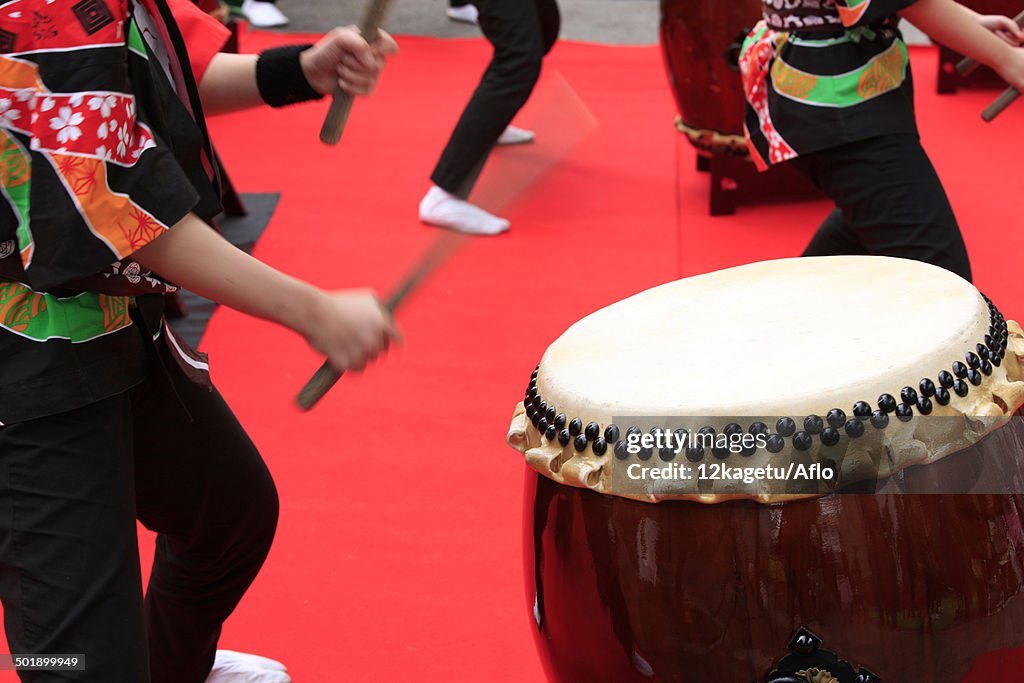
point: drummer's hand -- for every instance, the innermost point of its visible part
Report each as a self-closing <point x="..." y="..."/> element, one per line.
<point x="1012" y="69"/>
<point x="350" y="327"/>
<point x="1004" y="27"/>
<point x="343" y="58"/>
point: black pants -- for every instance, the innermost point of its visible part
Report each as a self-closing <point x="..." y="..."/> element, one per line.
<point x="889" y="202"/>
<point x="71" y="487"/>
<point x="522" y="32"/>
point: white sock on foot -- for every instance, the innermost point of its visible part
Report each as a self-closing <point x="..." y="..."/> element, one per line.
<point x="445" y="210"/>
<point x="467" y="14"/>
<point x="262" y="14"/>
<point x="515" y="136"/>
<point x="240" y="667"/>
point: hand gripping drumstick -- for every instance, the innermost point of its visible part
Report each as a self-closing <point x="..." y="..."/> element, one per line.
<point x="966" y="66"/>
<point x="443" y="247"/>
<point x="341" y="104"/>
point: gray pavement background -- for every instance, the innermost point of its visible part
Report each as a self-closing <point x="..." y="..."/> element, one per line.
<point x="621" y="22"/>
<point x="616" y="22"/>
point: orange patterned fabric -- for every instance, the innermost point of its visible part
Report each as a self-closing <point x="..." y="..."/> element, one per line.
<point x="885" y="74"/>
<point x="112" y="217"/>
<point x="17" y="73"/>
<point x="19" y="305"/>
<point x="855" y="13"/>
<point x="851" y="16"/>
<point x="788" y="80"/>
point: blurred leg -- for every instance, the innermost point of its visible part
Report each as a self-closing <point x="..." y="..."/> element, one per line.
<point x="513" y="27"/>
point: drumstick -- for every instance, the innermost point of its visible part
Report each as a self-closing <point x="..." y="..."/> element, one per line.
<point x="438" y="252"/>
<point x="1001" y="103"/>
<point x="966" y="66"/>
<point x="341" y="104"/>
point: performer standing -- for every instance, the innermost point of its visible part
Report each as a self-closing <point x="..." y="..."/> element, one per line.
<point x="522" y="33"/>
<point x="829" y="90"/>
<point x="106" y="416"/>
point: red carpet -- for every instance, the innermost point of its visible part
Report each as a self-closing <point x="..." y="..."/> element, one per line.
<point x="399" y="552"/>
<point x="398" y="556"/>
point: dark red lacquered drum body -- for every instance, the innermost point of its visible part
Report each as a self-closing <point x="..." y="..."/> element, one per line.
<point x="912" y="587"/>
<point x="695" y="35"/>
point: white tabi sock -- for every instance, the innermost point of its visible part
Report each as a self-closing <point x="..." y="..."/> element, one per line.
<point x="515" y="136"/>
<point x="239" y="667"/>
<point x="467" y="14"/>
<point x="445" y="210"/>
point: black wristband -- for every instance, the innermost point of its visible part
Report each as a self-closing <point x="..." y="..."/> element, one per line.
<point x="279" y="76"/>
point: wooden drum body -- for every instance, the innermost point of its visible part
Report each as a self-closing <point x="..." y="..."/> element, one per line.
<point x="913" y="587"/>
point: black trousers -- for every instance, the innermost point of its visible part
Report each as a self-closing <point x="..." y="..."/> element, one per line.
<point x="71" y="488"/>
<point x="889" y="202"/>
<point x="522" y="32"/>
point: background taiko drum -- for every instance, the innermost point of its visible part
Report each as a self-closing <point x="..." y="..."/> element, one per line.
<point x="695" y="35"/>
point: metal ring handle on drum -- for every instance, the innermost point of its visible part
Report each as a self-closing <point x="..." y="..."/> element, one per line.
<point x="731" y="55"/>
<point x="808" y="662"/>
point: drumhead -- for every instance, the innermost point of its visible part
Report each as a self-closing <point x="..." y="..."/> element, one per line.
<point x="814" y="339"/>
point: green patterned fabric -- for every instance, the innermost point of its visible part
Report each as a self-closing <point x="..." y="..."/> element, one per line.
<point x="883" y="73"/>
<point x="16" y="171"/>
<point x="78" y="319"/>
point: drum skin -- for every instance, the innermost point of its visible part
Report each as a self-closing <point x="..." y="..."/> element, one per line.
<point x="911" y="587"/>
<point x="694" y="37"/>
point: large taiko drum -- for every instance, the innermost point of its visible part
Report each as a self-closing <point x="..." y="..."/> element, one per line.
<point x="695" y="36"/>
<point x="793" y="471"/>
